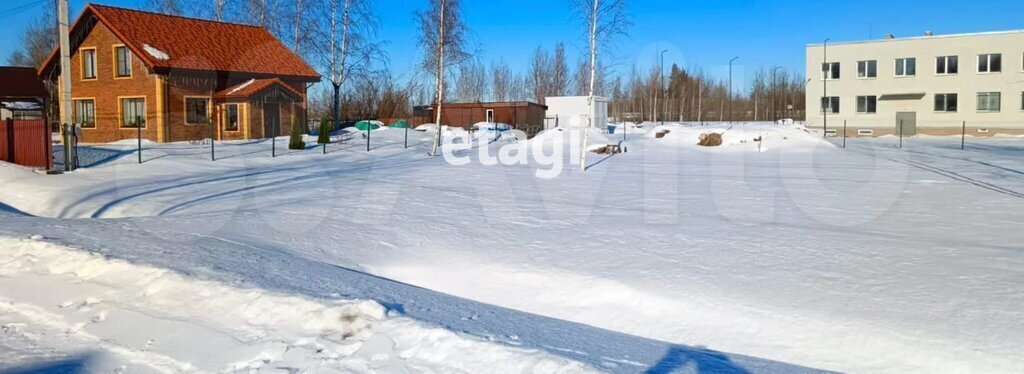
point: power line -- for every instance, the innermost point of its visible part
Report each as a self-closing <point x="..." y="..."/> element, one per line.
<point x="20" y="8"/>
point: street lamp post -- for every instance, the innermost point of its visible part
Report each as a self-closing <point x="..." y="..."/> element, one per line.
<point x="775" y="92"/>
<point x="730" y="87"/>
<point x="824" y="88"/>
<point x="662" y="87"/>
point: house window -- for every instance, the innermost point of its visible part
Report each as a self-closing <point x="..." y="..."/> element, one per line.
<point x="867" y="104"/>
<point x="88" y="64"/>
<point x="830" y="104"/>
<point x="1022" y="101"/>
<point x="946" y="65"/>
<point x="196" y="111"/>
<point x="123" y="58"/>
<point x="988" y="101"/>
<point x="231" y="117"/>
<point x="906" y="67"/>
<point x="867" y="69"/>
<point x="133" y="112"/>
<point x="945" y="103"/>
<point x="830" y="71"/>
<point x="990" y="63"/>
<point x="85" y="113"/>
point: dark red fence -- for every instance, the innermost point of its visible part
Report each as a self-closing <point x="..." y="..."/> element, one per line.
<point x="26" y="142"/>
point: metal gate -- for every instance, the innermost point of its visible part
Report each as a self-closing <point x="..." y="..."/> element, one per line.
<point x="26" y="142"/>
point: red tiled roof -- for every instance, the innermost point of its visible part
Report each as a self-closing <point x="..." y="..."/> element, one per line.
<point x="252" y="87"/>
<point x="202" y="45"/>
<point x="19" y="82"/>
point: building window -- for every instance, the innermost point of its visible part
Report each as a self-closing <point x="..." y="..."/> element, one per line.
<point x="196" y="111"/>
<point x="990" y="63"/>
<point x="830" y="104"/>
<point x="123" y="58"/>
<point x="830" y="70"/>
<point x="85" y="113"/>
<point x="1022" y="101"/>
<point x="867" y="69"/>
<point x="867" y="104"/>
<point x="945" y="103"/>
<point x="906" y="67"/>
<point x="947" y="65"/>
<point x="988" y="101"/>
<point x="88" y="64"/>
<point x="231" y="117"/>
<point x="133" y="112"/>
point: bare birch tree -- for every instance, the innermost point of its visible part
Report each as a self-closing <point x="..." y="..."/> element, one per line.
<point x="443" y="39"/>
<point x="501" y="82"/>
<point x="604" y="20"/>
<point x="560" y="72"/>
<point x="342" y="45"/>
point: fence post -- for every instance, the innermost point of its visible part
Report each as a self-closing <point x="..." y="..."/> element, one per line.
<point x="844" y="133"/>
<point x="901" y="133"/>
<point x="369" y="127"/>
<point x="138" y="136"/>
<point x="10" y="140"/>
<point x="406" y="136"/>
<point x="213" y="134"/>
<point x="963" y="135"/>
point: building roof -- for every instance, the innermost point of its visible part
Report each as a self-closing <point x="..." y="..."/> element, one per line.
<point x="921" y="37"/>
<point x="20" y="83"/>
<point x="252" y="87"/>
<point x="166" y="42"/>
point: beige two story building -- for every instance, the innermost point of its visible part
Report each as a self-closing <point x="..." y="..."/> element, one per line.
<point x="930" y="84"/>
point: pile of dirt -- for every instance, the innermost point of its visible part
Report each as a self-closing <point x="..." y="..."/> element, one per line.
<point x="713" y="139"/>
<point x="661" y="134"/>
<point x="608" y="149"/>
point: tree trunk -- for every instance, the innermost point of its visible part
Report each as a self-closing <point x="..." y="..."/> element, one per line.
<point x="593" y="76"/>
<point x="440" y="82"/>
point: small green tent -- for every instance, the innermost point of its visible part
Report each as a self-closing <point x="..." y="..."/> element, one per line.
<point x="402" y="124"/>
<point x="366" y="125"/>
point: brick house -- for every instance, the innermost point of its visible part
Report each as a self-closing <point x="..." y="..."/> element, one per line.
<point x="177" y="76"/>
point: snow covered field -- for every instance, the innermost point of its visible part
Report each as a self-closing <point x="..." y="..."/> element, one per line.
<point x="788" y="252"/>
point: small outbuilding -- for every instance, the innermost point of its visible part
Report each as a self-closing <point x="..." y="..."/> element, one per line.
<point x="572" y="111"/>
<point x="522" y="115"/>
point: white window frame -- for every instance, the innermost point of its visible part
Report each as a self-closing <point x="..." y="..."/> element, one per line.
<point x="988" y="63"/>
<point x="489" y="116"/>
<point x="999" y="102"/>
<point x="867" y="70"/>
<point x="945" y="103"/>
<point x="945" y="60"/>
<point x="866" y="107"/>
<point x="904" y="61"/>
<point x="829" y="76"/>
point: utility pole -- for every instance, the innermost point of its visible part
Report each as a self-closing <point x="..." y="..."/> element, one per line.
<point x="824" y="88"/>
<point x="775" y="92"/>
<point x="661" y="86"/>
<point x="730" y="87"/>
<point x="66" y="117"/>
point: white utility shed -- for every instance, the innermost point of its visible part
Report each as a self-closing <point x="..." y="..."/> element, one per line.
<point x="571" y="111"/>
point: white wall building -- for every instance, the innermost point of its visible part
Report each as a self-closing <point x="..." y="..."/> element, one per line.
<point x="930" y="83"/>
<point x="571" y="111"/>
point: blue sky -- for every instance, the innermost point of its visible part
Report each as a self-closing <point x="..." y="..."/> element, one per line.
<point x="703" y="34"/>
